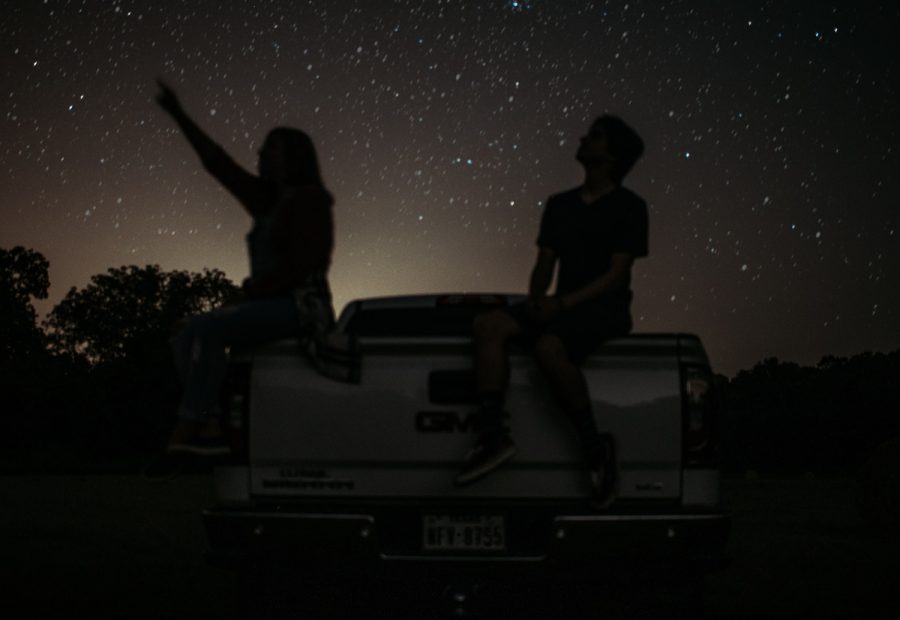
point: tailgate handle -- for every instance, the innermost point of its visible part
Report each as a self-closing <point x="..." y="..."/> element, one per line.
<point x="452" y="387"/>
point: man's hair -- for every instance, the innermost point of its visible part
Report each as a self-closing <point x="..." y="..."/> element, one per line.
<point x="625" y="145"/>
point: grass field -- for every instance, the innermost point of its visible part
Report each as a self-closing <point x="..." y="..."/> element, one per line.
<point x="115" y="546"/>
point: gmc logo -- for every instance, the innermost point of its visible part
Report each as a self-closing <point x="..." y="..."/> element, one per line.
<point x="448" y="422"/>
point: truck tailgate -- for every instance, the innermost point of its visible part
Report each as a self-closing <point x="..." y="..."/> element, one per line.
<point x="403" y="431"/>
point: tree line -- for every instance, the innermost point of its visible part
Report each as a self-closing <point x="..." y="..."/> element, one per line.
<point x="94" y="380"/>
<point x="781" y="417"/>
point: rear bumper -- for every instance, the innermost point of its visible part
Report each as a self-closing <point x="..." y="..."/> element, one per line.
<point x="585" y="544"/>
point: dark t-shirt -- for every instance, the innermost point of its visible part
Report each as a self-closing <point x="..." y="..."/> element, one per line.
<point x="292" y="238"/>
<point x="585" y="236"/>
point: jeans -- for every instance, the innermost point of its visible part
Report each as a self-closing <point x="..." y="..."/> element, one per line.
<point x="200" y="349"/>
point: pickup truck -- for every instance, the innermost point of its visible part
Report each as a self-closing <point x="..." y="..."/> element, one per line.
<point x="350" y="479"/>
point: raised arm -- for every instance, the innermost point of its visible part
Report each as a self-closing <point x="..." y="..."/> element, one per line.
<point x="243" y="185"/>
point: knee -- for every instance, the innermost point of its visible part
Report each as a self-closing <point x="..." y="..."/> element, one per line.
<point x="201" y="327"/>
<point x="183" y="330"/>
<point x="179" y="327"/>
<point x="550" y="352"/>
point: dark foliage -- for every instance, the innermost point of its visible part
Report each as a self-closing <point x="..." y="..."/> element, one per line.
<point x="781" y="417"/>
<point x="127" y="312"/>
<point x="29" y="376"/>
<point x="99" y="386"/>
<point x="24" y="274"/>
<point x="120" y="325"/>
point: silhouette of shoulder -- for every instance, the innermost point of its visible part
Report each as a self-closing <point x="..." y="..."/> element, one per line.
<point x="567" y="196"/>
<point x="621" y="195"/>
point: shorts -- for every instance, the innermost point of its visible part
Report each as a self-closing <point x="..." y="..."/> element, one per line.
<point x="582" y="328"/>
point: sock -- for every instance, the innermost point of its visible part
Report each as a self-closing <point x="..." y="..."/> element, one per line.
<point x="588" y="435"/>
<point x="492" y="412"/>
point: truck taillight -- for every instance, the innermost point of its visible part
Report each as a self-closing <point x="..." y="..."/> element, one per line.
<point x="699" y="417"/>
<point x="236" y="407"/>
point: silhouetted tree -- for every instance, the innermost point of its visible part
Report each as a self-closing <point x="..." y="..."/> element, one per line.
<point x="130" y="312"/>
<point x="28" y="376"/>
<point x="782" y="417"/>
<point x="117" y="330"/>
<point x="24" y="274"/>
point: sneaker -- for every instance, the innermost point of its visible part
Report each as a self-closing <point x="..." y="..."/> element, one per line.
<point x="484" y="457"/>
<point x="167" y="466"/>
<point x="201" y="445"/>
<point x="204" y="439"/>
<point x="602" y="469"/>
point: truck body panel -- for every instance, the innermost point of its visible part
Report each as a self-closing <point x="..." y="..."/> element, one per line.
<point x="386" y="437"/>
<point x="362" y="472"/>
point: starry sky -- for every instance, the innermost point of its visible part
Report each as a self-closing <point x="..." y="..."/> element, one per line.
<point x="771" y="169"/>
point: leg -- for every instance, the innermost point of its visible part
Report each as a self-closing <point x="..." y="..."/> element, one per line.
<point x="565" y="377"/>
<point x="568" y="384"/>
<point x="201" y="357"/>
<point x="561" y="348"/>
<point x="570" y="387"/>
<point x="491" y="331"/>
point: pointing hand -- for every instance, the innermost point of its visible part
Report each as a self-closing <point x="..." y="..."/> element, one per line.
<point x="167" y="99"/>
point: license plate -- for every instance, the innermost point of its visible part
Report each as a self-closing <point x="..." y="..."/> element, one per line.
<point x="464" y="533"/>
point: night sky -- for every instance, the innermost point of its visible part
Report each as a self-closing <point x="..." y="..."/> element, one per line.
<point x="771" y="169"/>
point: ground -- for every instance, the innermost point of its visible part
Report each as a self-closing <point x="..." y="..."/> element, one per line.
<point x="120" y="546"/>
